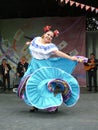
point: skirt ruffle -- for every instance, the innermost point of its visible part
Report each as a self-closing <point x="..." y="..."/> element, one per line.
<point x="33" y="88"/>
<point x="37" y="92"/>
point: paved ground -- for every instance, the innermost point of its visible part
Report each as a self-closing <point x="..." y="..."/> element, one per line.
<point x="15" y="115"/>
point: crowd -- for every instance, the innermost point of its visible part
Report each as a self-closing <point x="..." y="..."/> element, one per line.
<point x="5" y="76"/>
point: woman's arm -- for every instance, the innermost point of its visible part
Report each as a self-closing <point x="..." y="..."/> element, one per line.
<point x="28" y="43"/>
<point x="64" y="55"/>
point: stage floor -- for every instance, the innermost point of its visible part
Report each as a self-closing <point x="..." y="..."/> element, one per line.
<point x="15" y="115"/>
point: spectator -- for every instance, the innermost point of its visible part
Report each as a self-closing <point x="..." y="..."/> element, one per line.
<point x="5" y="72"/>
<point x="22" y="67"/>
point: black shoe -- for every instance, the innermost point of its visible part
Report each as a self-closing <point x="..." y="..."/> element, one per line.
<point x="56" y="110"/>
<point x="90" y="90"/>
<point x="34" y="109"/>
<point x="4" y="91"/>
<point x="95" y="91"/>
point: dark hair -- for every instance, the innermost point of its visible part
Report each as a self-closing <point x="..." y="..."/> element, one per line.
<point x="4" y="59"/>
<point x="48" y="28"/>
<point x="92" y="54"/>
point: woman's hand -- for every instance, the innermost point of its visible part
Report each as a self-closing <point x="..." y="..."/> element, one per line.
<point x="18" y="74"/>
<point x="77" y="59"/>
<point x="28" y="43"/>
<point x="74" y="58"/>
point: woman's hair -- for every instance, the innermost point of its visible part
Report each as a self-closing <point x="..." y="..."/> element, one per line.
<point x="4" y="59"/>
<point x="49" y="28"/>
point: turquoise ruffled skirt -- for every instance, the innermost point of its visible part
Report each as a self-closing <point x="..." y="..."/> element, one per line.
<point x="34" y="86"/>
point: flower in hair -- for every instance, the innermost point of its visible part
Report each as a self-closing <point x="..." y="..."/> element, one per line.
<point x="47" y="28"/>
<point x="56" y="33"/>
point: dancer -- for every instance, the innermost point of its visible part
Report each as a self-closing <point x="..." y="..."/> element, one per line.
<point x="47" y="83"/>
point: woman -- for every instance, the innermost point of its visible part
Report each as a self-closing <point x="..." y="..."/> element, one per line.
<point x="20" y="70"/>
<point x="22" y="67"/>
<point x="44" y="83"/>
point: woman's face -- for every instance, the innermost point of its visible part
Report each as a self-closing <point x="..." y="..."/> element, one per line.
<point x="92" y="56"/>
<point x="4" y="62"/>
<point x="23" y="60"/>
<point x="48" y="36"/>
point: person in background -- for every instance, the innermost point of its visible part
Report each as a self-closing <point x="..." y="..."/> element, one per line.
<point x="20" y="70"/>
<point x="5" y="71"/>
<point x="1" y="84"/>
<point x="22" y="67"/>
<point x="91" y="68"/>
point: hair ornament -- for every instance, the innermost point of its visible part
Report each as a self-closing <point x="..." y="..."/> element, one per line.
<point x="56" y="33"/>
<point x="47" y="28"/>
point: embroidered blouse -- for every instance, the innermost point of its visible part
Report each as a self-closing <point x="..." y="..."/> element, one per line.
<point x="41" y="51"/>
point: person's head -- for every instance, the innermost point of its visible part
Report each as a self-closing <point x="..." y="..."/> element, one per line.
<point x="92" y="55"/>
<point x="4" y="61"/>
<point x="49" y="34"/>
<point x="23" y="59"/>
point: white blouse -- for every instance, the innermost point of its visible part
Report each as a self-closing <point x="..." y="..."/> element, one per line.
<point x="41" y="51"/>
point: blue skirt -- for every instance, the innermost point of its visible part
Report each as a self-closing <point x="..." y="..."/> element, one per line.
<point x="61" y="63"/>
<point x="34" y="89"/>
